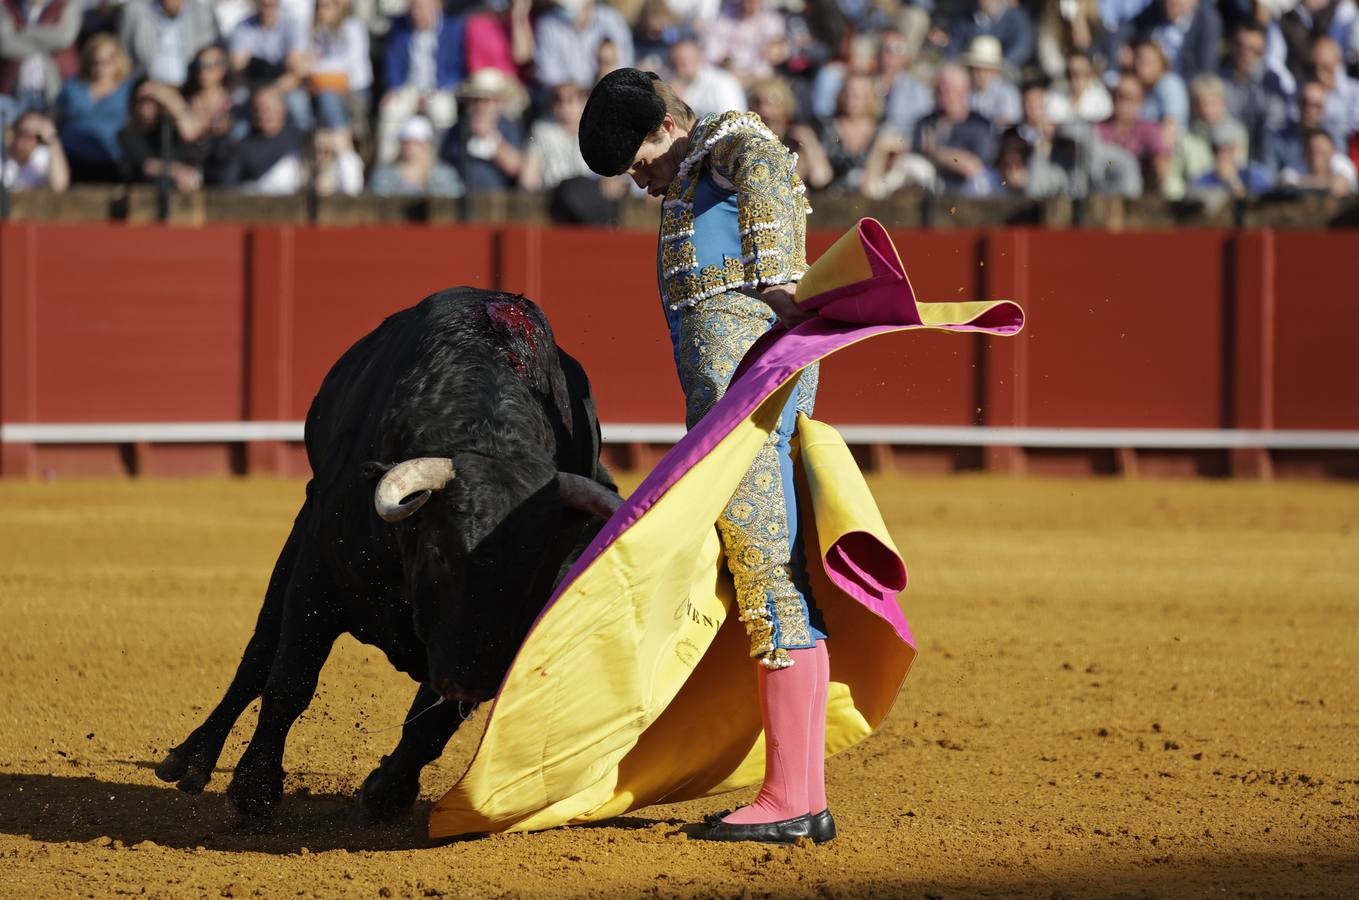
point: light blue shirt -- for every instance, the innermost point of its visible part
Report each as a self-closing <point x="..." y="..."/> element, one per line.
<point x="568" y="54"/>
<point x="1168" y="99"/>
<point x="170" y="65"/>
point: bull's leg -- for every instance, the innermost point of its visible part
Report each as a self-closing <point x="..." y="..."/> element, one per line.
<point x="390" y="789"/>
<point x="307" y="634"/>
<point x="191" y="763"/>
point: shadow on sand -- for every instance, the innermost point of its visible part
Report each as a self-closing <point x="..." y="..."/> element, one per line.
<point x="55" y="808"/>
<point x="69" y="808"/>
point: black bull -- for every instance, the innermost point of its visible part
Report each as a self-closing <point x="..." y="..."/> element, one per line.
<point x="475" y="438"/>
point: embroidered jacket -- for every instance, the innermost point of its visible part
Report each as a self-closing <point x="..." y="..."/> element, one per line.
<point x="735" y="217"/>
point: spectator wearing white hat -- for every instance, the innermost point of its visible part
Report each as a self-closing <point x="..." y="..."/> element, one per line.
<point x="1004" y="20"/>
<point x="485" y="147"/>
<point x="416" y="171"/>
<point x="992" y="95"/>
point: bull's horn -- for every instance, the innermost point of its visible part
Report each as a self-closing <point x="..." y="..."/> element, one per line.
<point x="587" y="495"/>
<point x="414" y="476"/>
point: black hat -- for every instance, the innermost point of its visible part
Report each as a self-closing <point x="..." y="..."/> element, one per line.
<point x="621" y="111"/>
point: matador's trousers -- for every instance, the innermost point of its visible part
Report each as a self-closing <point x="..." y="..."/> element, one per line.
<point x="760" y="529"/>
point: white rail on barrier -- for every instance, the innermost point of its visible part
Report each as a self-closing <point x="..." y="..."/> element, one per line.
<point x="664" y="433"/>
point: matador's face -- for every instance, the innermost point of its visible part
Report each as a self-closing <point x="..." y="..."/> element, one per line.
<point x="658" y="159"/>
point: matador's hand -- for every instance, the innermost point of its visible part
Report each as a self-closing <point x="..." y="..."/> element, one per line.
<point x="781" y="299"/>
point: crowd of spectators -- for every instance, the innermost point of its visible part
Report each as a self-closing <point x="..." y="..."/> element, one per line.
<point x="1180" y="98"/>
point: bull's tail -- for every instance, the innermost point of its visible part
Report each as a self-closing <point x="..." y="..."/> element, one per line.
<point x="191" y="763"/>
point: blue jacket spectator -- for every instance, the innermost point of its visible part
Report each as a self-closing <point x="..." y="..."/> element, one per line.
<point x="425" y="62"/>
<point x="407" y="46"/>
<point x="1188" y="31"/>
<point x="993" y="97"/>
<point x="92" y="108"/>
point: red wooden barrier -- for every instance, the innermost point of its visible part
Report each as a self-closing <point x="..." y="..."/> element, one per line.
<point x="1195" y="329"/>
<point x="110" y="324"/>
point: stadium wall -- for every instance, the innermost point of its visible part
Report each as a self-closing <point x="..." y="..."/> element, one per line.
<point x="130" y="349"/>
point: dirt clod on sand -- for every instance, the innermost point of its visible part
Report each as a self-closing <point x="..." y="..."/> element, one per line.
<point x="1124" y="688"/>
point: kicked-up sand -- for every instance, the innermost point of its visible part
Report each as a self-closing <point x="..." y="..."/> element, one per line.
<point x="1124" y="688"/>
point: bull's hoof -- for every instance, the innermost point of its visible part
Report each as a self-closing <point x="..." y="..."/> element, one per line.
<point x="254" y="796"/>
<point x="387" y="794"/>
<point x="190" y="773"/>
<point x="173" y="766"/>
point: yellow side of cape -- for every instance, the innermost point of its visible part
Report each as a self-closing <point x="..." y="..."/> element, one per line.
<point x="636" y="686"/>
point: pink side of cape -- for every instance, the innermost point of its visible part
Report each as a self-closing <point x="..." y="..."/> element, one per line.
<point x="776" y="358"/>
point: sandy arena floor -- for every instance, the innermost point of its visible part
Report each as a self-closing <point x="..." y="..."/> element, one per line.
<point x="1133" y="689"/>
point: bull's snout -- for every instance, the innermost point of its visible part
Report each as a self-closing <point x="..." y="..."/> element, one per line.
<point x="451" y="690"/>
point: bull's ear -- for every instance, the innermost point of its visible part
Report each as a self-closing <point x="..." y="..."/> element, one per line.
<point x="372" y="470"/>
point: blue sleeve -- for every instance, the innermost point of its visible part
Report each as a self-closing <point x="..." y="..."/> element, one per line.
<point x="826" y="90"/>
<point x="1174" y="99"/>
<point x="1018" y="37"/>
<point x="396" y="58"/>
<point x="552" y="68"/>
<point x="452" y="52"/>
<point x="1209" y="41"/>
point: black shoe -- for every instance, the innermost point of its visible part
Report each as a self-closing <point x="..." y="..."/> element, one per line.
<point x="786" y="832"/>
<point x="823" y="826"/>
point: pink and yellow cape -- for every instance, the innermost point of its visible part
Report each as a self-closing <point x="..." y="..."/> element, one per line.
<point x="634" y="686"/>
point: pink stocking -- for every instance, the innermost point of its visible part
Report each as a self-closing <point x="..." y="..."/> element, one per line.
<point x="816" y="747"/>
<point x="786" y="700"/>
